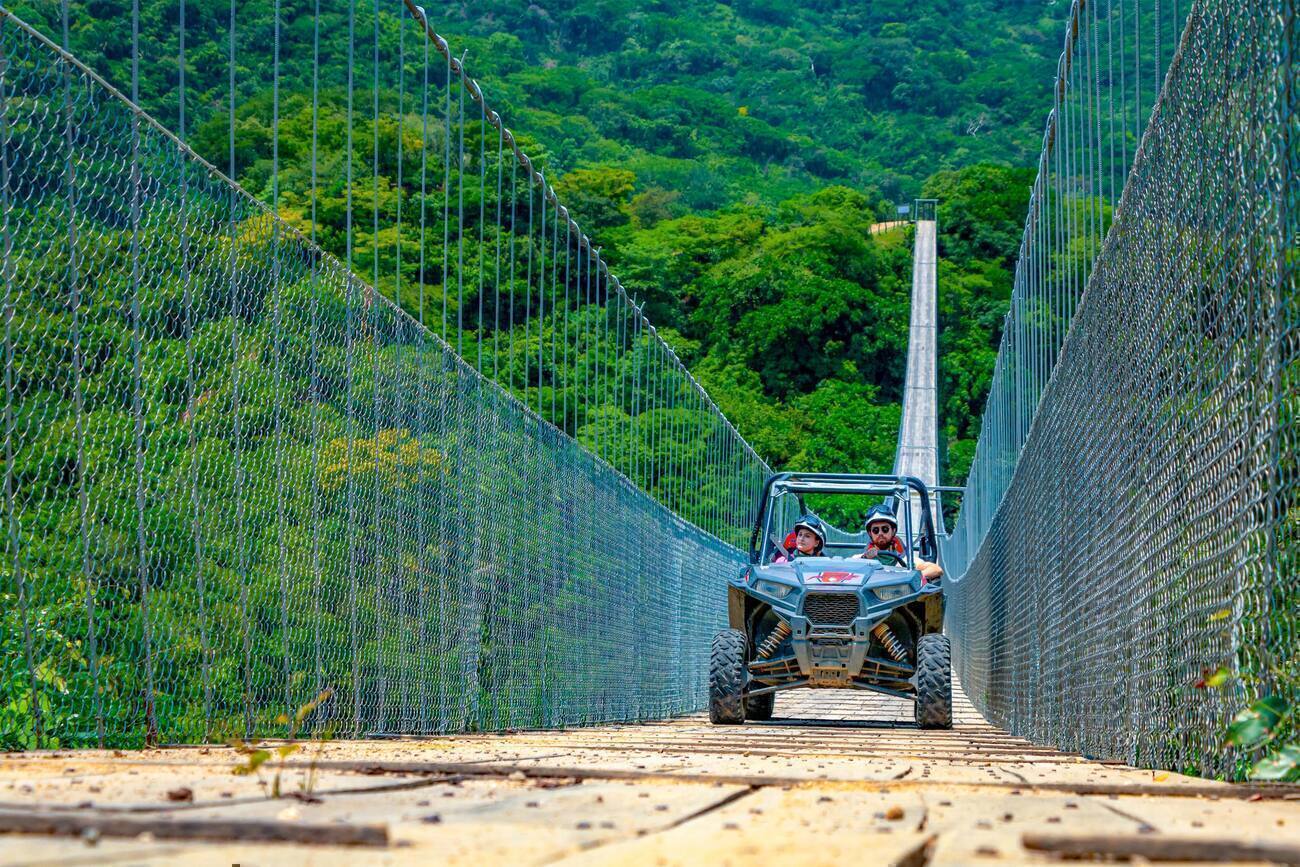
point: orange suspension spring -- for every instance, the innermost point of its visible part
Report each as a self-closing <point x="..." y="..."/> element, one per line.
<point x="779" y="633"/>
<point x="892" y="645"/>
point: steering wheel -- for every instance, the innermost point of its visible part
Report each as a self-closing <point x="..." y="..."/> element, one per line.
<point x="891" y="555"/>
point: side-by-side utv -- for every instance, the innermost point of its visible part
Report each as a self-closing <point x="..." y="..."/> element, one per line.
<point x="834" y="619"/>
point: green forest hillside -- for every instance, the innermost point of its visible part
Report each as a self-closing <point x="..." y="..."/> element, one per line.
<point x="728" y="158"/>
<point x="722" y="102"/>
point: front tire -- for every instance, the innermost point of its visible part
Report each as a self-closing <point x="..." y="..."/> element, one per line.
<point x="727" y="678"/>
<point x="934" y="682"/>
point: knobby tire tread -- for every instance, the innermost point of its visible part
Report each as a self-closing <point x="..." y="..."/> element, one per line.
<point x="727" y="678"/>
<point x="934" y="682"/>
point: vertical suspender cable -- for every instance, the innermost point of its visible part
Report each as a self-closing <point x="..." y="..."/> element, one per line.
<point x="656" y="410"/>
<point x="78" y="365"/>
<point x="482" y="218"/>
<point x="1090" y="150"/>
<point x="137" y="391"/>
<point x="422" y="432"/>
<point x="555" y="267"/>
<point x="1123" y="99"/>
<point x="401" y="564"/>
<point x="564" y="408"/>
<point x="16" y="558"/>
<point x="277" y="338"/>
<point x="376" y="361"/>
<point x="349" y="373"/>
<point x="1137" y="70"/>
<point x="1157" y="57"/>
<point x="1099" y="185"/>
<point x="1110" y="99"/>
<point x="496" y="285"/>
<point x="582" y="408"/>
<point x="446" y="201"/>
<point x="600" y="341"/>
<point x="422" y="278"/>
<point x="528" y="283"/>
<point x="241" y="563"/>
<point x="541" y="291"/>
<point x="400" y="189"/>
<point x="315" y="387"/>
<point x="510" y="307"/>
<point x="635" y="369"/>
<point x="460" y="221"/>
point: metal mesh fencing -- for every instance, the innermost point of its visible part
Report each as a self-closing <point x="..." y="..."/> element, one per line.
<point x="1130" y="519"/>
<point x="238" y="476"/>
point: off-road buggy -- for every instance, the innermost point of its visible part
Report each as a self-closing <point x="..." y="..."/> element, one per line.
<point x="834" y="621"/>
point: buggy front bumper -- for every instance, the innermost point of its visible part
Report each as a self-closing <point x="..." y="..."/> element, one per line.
<point x="831" y="656"/>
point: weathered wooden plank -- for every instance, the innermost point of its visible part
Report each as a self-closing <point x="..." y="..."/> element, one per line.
<point x="171" y="828"/>
<point x="1161" y="847"/>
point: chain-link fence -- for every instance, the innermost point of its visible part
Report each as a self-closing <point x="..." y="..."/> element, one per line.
<point x="1131" y="517"/>
<point x="238" y="477"/>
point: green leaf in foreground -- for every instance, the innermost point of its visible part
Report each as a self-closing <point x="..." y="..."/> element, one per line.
<point x="255" y="760"/>
<point x="1256" y="724"/>
<point x="1282" y="765"/>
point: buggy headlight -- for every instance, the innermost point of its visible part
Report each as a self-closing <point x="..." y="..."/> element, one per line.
<point x="891" y="591"/>
<point x="772" y="588"/>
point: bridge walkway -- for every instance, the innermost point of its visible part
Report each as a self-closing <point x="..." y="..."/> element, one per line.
<point x="834" y="776"/>
<point x="918" y="433"/>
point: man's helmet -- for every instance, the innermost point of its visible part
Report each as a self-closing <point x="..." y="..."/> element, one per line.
<point x="814" y="525"/>
<point x="880" y="513"/>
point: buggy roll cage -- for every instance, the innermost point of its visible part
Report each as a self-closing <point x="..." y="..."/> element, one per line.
<point x="848" y="483"/>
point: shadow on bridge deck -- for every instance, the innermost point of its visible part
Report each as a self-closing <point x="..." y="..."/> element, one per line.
<point x="862" y="709"/>
<point x="836" y="776"/>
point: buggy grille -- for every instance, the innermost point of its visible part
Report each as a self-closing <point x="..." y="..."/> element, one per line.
<point x="836" y="608"/>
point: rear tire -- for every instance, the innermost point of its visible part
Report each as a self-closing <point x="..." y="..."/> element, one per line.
<point x="727" y="678"/>
<point x="760" y="706"/>
<point x="934" y="682"/>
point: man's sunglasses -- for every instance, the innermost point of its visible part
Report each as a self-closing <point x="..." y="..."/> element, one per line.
<point x="880" y="530"/>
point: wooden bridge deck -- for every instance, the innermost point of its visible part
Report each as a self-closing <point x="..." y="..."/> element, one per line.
<point x="836" y="776"/>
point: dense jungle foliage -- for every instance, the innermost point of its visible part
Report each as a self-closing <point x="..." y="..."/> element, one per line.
<point x="690" y="139"/>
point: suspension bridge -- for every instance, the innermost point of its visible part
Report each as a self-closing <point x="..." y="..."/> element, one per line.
<point x="371" y="469"/>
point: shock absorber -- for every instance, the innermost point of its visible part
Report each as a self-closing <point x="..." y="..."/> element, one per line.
<point x="892" y="645"/>
<point x="779" y="633"/>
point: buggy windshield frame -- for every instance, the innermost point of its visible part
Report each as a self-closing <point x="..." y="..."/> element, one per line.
<point x="910" y="495"/>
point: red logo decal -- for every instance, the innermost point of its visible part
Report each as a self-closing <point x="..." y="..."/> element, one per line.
<point x="834" y="577"/>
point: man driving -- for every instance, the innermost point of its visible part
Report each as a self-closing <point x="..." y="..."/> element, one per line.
<point x="882" y="527"/>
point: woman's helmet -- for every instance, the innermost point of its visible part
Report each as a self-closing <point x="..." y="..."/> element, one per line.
<point x="880" y="513"/>
<point x="814" y="525"/>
